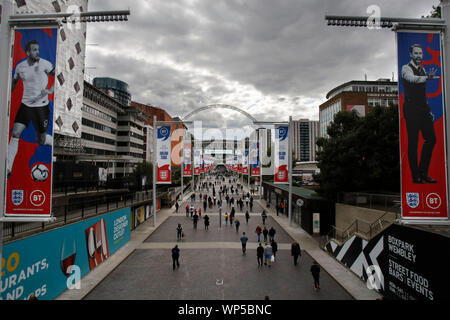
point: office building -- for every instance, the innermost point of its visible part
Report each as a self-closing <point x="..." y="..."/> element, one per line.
<point x="305" y="135"/>
<point x="359" y="96"/>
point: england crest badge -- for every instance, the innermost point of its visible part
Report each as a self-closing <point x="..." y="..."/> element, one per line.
<point x="17" y="197"/>
<point x="412" y="199"/>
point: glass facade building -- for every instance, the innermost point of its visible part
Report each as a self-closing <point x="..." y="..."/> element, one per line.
<point x="114" y="88"/>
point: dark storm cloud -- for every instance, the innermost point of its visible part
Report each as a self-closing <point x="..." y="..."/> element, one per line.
<point x="185" y="54"/>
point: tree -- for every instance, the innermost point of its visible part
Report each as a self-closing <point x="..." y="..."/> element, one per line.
<point x="361" y="154"/>
<point x="435" y="13"/>
<point x="143" y="169"/>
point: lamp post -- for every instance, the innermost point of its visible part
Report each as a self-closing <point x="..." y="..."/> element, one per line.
<point x="425" y="24"/>
<point x="289" y="154"/>
<point x="8" y="21"/>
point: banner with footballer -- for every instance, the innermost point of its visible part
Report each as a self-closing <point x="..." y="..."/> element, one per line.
<point x="30" y="135"/>
<point x="422" y="126"/>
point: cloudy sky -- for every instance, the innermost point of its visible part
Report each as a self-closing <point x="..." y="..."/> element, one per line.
<point x="270" y="58"/>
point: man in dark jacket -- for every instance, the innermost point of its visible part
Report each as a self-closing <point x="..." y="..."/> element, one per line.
<point x="260" y="254"/>
<point x="272" y="234"/>
<point x="175" y="256"/>
<point x="195" y="218"/>
<point x="265" y="232"/>
<point x="315" y="270"/>
<point x="264" y="216"/>
<point x="206" y="218"/>
<point x="274" y="247"/>
<point x="295" y="251"/>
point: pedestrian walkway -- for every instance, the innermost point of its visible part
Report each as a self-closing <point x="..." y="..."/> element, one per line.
<point x="212" y="264"/>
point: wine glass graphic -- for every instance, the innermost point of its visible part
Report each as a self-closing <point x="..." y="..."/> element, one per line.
<point x="68" y="254"/>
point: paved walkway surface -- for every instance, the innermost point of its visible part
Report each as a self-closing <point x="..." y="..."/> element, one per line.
<point x="212" y="265"/>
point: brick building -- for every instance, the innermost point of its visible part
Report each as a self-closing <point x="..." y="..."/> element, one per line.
<point x="162" y="115"/>
<point x="359" y="96"/>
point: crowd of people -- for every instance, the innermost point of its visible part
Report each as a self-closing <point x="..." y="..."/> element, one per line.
<point x="211" y="191"/>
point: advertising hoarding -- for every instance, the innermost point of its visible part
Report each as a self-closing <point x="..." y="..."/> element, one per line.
<point x="44" y="264"/>
<point x="163" y="155"/>
<point x="281" y="154"/>
<point x="422" y="126"/>
<point x="187" y="153"/>
<point x="30" y="135"/>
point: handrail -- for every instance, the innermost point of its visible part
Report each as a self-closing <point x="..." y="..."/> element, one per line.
<point x="356" y="225"/>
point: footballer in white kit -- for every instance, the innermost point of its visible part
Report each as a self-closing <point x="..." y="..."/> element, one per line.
<point x="33" y="72"/>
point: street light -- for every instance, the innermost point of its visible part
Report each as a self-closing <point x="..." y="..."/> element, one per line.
<point x="71" y="17"/>
<point x="384" y="22"/>
<point x="427" y="24"/>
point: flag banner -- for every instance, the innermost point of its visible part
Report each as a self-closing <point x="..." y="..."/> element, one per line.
<point x="163" y="153"/>
<point x="245" y="163"/>
<point x="187" y="154"/>
<point x="281" y="154"/>
<point x="422" y="126"/>
<point x="253" y="149"/>
<point x="197" y="162"/>
<point x="202" y="162"/>
<point x="30" y="134"/>
<point x="239" y="163"/>
<point x="256" y="172"/>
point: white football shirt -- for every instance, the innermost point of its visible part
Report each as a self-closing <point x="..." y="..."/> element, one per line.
<point x="35" y="79"/>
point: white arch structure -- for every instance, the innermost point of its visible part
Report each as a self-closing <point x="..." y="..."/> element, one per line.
<point x="219" y="106"/>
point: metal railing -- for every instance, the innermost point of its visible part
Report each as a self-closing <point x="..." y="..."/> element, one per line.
<point x="382" y="202"/>
<point x="362" y="228"/>
<point x="76" y="210"/>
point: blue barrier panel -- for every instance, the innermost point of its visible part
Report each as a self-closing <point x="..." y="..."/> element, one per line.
<point x="49" y="263"/>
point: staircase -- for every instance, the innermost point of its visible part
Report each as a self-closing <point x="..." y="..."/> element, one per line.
<point x="361" y="228"/>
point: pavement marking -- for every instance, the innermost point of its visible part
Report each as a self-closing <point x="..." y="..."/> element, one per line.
<point x="204" y="245"/>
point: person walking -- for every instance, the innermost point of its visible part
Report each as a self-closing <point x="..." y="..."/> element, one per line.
<point x="237" y="223"/>
<point x="232" y="211"/>
<point x="244" y="240"/>
<point x="231" y="219"/>
<point x="179" y="232"/>
<point x="272" y="234"/>
<point x="176" y="206"/>
<point x="315" y="271"/>
<point x="265" y="232"/>
<point x="206" y="220"/>
<point x="267" y="254"/>
<point x="247" y="216"/>
<point x="295" y="251"/>
<point x="258" y="232"/>
<point x="226" y="218"/>
<point x="195" y="219"/>
<point x="264" y="216"/>
<point x="191" y="211"/>
<point x="187" y="210"/>
<point x="175" y="256"/>
<point x="260" y="254"/>
<point x="274" y="247"/>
